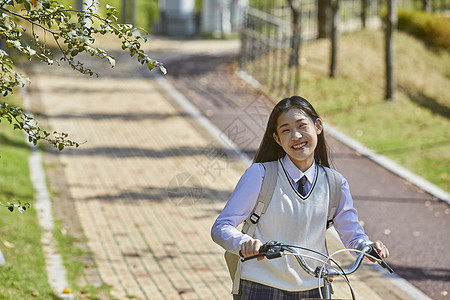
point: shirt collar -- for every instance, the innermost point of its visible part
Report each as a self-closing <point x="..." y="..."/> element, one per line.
<point x="295" y="173"/>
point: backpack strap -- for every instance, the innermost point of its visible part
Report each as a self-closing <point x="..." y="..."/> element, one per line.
<point x="264" y="197"/>
<point x="334" y="184"/>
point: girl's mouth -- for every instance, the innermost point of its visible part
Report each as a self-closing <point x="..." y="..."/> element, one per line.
<point x="299" y="146"/>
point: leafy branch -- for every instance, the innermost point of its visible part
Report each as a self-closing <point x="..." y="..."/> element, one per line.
<point x="73" y="32"/>
<point x="19" y="206"/>
<point x="21" y="121"/>
<point x="77" y="37"/>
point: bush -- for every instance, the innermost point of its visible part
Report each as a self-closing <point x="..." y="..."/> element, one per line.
<point x="432" y="29"/>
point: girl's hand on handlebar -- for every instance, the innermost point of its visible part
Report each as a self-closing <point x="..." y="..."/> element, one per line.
<point x="251" y="247"/>
<point x="381" y="249"/>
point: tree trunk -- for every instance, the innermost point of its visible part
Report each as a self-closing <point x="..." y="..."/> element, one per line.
<point x="334" y="4"/>
<point x="426" y="5"/>
<point x="133" y="13"/>
<point x="364" y="7"/>
<point x="323" y="23"/>
<point x="296" y="39"/>
<point x="124" y="12"/>
<point x="391" y="24"/>
<point x="79" y="4"/>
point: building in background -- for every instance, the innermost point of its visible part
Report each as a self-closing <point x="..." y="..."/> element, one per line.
<point x="223" y="16"/>
<point x="217" y="17"/>
<point x="177" y="17"/>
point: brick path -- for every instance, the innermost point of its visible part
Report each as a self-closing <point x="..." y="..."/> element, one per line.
<point x="147" y="186"/>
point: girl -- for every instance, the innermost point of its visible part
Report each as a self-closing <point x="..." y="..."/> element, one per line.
<point x="294" y="136"/>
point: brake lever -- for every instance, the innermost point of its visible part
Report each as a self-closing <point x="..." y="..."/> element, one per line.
<point x="381" y="261"/>
<point x="270" y="250"/>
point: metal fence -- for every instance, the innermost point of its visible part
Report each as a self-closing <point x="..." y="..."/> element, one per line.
<point x="265" y="41"/>
<point x="267" y="36"/>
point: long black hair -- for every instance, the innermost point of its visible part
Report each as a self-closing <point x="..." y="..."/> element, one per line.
<point x="269" y="149"/>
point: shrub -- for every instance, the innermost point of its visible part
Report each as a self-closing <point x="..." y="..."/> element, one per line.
<point x="434" y="30"/>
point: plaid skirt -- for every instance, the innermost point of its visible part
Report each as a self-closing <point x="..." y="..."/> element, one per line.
<point x="249" y="290"/>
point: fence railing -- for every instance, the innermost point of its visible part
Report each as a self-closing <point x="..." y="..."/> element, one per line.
<point x="265" y="41"/>
<point x="267" y="37"/>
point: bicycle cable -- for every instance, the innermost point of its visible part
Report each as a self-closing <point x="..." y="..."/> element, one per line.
<point x="328" y="257"/>
<point x="324" y="262"/>
<point x="346" y="279"/>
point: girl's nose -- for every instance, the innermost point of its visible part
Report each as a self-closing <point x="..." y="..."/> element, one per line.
<point x="296" y="134"/>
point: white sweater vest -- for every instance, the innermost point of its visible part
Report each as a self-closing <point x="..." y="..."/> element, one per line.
<point x="296" y="220"/>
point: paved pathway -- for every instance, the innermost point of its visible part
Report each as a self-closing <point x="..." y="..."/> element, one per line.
<point x="139" y="151"/>
<point x="147" y="185"/>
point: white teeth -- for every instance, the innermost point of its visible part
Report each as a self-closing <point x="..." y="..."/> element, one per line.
<point x="299" y="145"/>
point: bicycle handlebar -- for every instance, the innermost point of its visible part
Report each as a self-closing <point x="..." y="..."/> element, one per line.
<point x="273" y="249"/>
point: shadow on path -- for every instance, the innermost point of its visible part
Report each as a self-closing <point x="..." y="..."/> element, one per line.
<point x="420" y="274"/>
<point x="183" y="195"/>
<point x="121" y="116"/>
<point x="126" y="152"/>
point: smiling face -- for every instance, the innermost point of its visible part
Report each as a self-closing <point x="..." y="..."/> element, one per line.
<point x="297" y="134"/>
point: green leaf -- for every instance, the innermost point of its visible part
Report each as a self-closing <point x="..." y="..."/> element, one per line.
<point x="111" y="60"/>
<point x="163" y="69"/>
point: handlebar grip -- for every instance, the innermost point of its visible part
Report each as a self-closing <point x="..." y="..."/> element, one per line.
<point x="252" y="257"/>
<point x="381" y="261"/>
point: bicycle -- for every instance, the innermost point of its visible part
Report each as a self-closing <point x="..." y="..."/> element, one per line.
<point x="274" y="249"/>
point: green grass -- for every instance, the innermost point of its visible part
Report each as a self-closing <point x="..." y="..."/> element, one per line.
<point x="24" y="272"/>
<point x="24" y="275"/>
<point x="72" y="258"/>
<point x="413" y="130"/>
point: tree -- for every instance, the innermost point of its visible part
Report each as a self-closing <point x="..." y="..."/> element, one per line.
<point x="391" y="24"/>
<point x="296" y="38"/>
<point x="334" y="4"/>
<point x="426" y="5"/>
<point x="323" y="28"/>
<point x="364" y="8"/>
<point x="129" y="11"/>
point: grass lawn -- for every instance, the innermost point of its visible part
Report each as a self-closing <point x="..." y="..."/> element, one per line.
<point x="24" y="275"/>
<point x="414" y="129"/>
